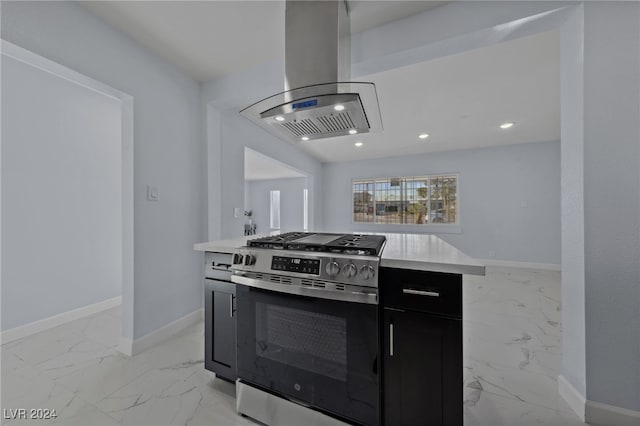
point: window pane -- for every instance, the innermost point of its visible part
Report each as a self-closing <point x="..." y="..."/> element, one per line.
<point x="274" y="211"/>
<point x="389" y="202"/>
<point x="416" y="197"/>
<point x="443" y="199"/>
<point x="363" y="201"/>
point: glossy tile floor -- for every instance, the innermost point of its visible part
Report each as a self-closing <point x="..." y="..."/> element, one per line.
<point x="512" y="336"/>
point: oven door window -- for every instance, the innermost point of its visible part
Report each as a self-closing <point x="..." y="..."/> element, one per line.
<point x="301" y="339"/>
<point x="314" y="351"/>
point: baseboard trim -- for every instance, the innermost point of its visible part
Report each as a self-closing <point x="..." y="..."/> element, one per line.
<point x="125" y="346"/>
<point x="596" y="413"/>
<point x="572" y="397"/>
<point x="526" y="265"/>
<point x="134" y="347"/>
<point x="56" y="320"/>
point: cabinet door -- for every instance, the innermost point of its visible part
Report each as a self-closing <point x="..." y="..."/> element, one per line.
<point x="220" y="329"/>
<point x="422" y="374"/>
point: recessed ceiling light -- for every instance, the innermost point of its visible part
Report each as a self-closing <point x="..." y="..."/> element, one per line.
<point x="305" y="138"/>
<point x="338" y="107"/>
<point x="353" y="131"/>
<point x="423" y="135"/>
<point x="507" y="125"/>
<point x="358" y="144"/>
<point x="279" y="118"/>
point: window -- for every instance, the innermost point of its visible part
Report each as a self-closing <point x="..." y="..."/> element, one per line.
<point x="274" y="209"/>
<point x="407" y="200"/>
<point x="305" y="209"/>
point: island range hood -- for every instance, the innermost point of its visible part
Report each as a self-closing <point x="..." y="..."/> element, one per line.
<point x="319" y="100"/>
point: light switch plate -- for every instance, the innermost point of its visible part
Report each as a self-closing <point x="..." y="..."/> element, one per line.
<point x="236" y="212"/>
<point x="152" y="193"/>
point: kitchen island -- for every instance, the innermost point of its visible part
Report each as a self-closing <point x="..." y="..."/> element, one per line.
<point x="392" y="301"/>
<point x="423" y="252"/>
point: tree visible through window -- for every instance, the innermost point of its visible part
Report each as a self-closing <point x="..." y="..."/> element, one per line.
<point x="407" y="200"/>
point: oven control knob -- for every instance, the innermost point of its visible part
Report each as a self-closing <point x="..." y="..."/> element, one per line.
<point x="332" y="269"/>
<point x="249" y="259"/>
<point x="367" y="272"/>
<point x="349" y="270"/>
<point x="238" y="258"/>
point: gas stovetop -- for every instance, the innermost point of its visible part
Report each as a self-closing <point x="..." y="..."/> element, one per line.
<point x="354" y="244"/>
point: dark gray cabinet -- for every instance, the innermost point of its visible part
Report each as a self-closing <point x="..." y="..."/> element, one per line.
<point x="421" y="348"/>
<point x="220" y="318"/>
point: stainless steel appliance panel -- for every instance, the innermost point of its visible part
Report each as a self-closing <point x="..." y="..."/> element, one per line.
<point x="316" y="352"/>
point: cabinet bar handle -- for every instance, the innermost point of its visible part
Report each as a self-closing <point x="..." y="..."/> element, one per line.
<point x="390" y="339"/>
<point x="231" y="306"/>
<point x="421" y="292"/>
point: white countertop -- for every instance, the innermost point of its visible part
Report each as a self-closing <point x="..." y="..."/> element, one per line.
<point x="423" y="252"/>
<point x="427" y="252"/>
<point x="226" y="246"/>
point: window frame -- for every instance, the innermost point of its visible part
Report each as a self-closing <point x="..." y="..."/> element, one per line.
<point x="445" y="228"/>
<point x="305" y="209"/>
<point x="274" y="217"/>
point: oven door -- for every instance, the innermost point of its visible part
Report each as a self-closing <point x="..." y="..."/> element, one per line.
<point x="318" y="352"/>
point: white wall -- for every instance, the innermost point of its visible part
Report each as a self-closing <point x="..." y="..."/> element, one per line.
<point x="291" y="203"/>
<point x="168" y="150"/>
<point x="572" y="204"/>
<point x="61" y="195"/>
<point x="612" y="201"/>
<point x="228" y="137"/>
<point x="247" y="195"/>
<point x="493" y="185"/>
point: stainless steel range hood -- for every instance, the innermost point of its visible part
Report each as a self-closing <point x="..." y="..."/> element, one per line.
<point x="319" y="100"/>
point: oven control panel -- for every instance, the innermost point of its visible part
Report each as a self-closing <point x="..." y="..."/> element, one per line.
<point x="345" y="269"/>
<point x="296" y="264"/>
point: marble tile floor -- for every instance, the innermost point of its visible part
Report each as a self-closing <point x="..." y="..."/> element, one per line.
<point x="512" y="335"/>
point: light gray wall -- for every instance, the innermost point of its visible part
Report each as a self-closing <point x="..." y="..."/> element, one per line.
<point x="494" y="184"/>
<point x="247" y="195"/>
<point x="572" y="204"/>
<point x="291" y="203"/>
<point x="228" y="134"/>
<point x="61" y="195"/>
<point x="612" y="201"/>
<point x="168" y="149"/>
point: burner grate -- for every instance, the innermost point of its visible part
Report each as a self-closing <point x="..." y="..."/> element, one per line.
<point x="357" y="244"/>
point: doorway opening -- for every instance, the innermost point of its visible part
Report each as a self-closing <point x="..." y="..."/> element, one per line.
<point x="276" y="195"/>
<point x="67" y="202"/>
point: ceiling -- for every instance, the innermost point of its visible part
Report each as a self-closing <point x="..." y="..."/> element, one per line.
<point x="260" y="167"/>
<point x="460" y="101"/>
<point x="210" y="39"/>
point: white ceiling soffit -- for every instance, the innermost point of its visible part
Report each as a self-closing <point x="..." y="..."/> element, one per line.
<point x="460" y="101"/>
<point x="261" y="167"/>
<point x="367" y="14"/>
<point x="210" y="39"/>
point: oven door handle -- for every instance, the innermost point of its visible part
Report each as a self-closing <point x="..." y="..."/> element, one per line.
<point x="340" y="295"/>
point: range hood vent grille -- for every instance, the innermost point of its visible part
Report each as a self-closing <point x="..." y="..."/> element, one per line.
<point x="302" y="127"/>
<point x="337" y="122"/>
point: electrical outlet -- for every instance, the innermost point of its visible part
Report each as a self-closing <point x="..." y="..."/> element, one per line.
<point x="492" y="254"/>
<point x="523" y="203"/>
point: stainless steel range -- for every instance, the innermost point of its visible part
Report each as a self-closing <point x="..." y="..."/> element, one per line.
<point x="307" y="319"/>
<point x="328" y="266"/>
